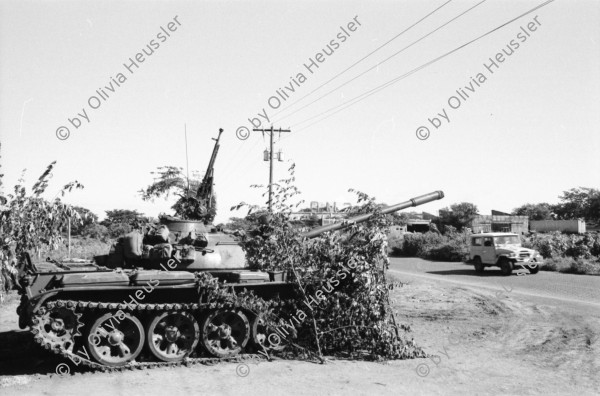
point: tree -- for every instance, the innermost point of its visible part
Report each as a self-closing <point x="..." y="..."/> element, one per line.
<point x="189" y="206"/>
<point x="28" y="221"/>
<point x="96" y="231"/>
<point x="88" y="218"/>
<point x="582" y="202"/>
<point x="540" y="211"/>
<point x="121" y="221"/>
<point x="125" y="216"/>
<point x="399" y="218"/>
<point x="459" y="215"/>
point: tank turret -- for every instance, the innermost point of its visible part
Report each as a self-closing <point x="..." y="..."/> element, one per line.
<point x="222" y="252"/>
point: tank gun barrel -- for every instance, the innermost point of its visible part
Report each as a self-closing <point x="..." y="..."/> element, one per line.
<point x="205" y="191"/>
<point x="420" y="200"/>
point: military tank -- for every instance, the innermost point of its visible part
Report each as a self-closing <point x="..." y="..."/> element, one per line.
<point x="156" y="308"/>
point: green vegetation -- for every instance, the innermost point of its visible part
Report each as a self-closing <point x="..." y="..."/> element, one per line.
<point x="579" y="254"/>
<point x="450" y="246"/>
<point x="81" y="248"/>
<point x="342" y="276"/>
<point x="118" y="222"/>
<point x="189" y="205"/>
<point x="576" y="203"/>
<point x="572" y="266"/>
<point x="458" y="215"/>
<point x="541" y="211"/>
<point x="559" y="245"/>
<point x="29" y="222"/>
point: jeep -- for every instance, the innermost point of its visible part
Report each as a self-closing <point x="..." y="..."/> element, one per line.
<point x="501" y="249"/>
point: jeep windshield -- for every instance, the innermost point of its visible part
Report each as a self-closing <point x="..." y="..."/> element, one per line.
<point x="507" y="240"/>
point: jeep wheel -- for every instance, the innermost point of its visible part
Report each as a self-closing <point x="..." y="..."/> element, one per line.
<point x="506" y="266"/>
<point x="479" y="267"/>
<point x="533" y="268"/>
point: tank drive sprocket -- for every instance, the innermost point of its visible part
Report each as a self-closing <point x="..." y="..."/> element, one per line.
<point x="56" y="326"/>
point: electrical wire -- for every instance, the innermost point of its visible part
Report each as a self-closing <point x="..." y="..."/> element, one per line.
<point x="366" y="94"/>
<point x="382" y="62"/>
<point x="361" y="59"/>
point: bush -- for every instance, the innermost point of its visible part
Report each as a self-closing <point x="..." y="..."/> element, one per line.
<point x="452" y="246"/>
<point x="551" y="265"/>
<point x="395" y="240"/>
<point x="583" y="266"/>
<point x="117" y="230"/>
<point x="571" y="265"/>
<point x="341" y="302"/>
<point x="96" y="231"/>
<point x="558" y="245"/>
<point x="449" y="252"/>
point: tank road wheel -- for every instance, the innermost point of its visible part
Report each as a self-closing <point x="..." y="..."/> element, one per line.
<point x="114" y="340"/>
<point x="262" y="335"/>
<point x="171" y="336"/>
<point x="57" y="328"/>
<point x="225" y="332"/>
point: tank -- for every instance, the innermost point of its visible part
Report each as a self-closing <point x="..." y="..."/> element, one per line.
<point x="149" y="303"/>
<point x="157" y="312"/>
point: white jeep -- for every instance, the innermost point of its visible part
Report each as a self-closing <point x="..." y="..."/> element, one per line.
<point x="501" y="249"/>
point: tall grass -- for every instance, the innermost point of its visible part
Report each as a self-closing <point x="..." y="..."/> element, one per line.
<point x="84" y="248"/>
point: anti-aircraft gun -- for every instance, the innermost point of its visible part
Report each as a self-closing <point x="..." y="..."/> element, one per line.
<point x="205" y="191"/>
<point x="159" y="311"/>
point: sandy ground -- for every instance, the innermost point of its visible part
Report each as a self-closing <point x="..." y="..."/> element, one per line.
<point x="483" y="342"/>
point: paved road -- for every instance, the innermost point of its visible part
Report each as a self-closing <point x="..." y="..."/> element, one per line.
<point x="569" y="288"/>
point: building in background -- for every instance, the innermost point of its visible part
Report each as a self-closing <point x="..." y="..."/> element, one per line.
<point x="571" y="226"/>
<point x="499" y="222"/>
<point x="324" y="212"/>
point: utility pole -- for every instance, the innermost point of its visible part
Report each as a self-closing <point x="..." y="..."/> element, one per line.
<point x="69" y="240"/>
<point x="270" y="131"/>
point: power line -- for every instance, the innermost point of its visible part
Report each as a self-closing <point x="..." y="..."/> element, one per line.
<point x="230" y="167"/>
<point x="363" y="58"/>
<point x="233" y="166"/>
<point x="385" y="60"/>
<point x="394" y="80"/>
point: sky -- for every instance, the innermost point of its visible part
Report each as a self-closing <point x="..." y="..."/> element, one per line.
<point x="499" y="136"/>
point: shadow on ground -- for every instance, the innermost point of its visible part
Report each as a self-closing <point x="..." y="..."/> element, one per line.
<point x="471" y="272"/>
<point x="20" y="355"/>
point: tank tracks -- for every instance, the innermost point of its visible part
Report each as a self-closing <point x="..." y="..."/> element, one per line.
<point x="65" y="346"/>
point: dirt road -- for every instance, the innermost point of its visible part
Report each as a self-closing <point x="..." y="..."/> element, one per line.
<point x="486" y="337"/>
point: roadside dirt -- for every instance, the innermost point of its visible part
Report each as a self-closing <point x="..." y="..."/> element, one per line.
<point x="482" y="343"/>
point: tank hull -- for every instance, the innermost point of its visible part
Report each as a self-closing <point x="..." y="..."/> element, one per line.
<point x="86" y="316"/>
